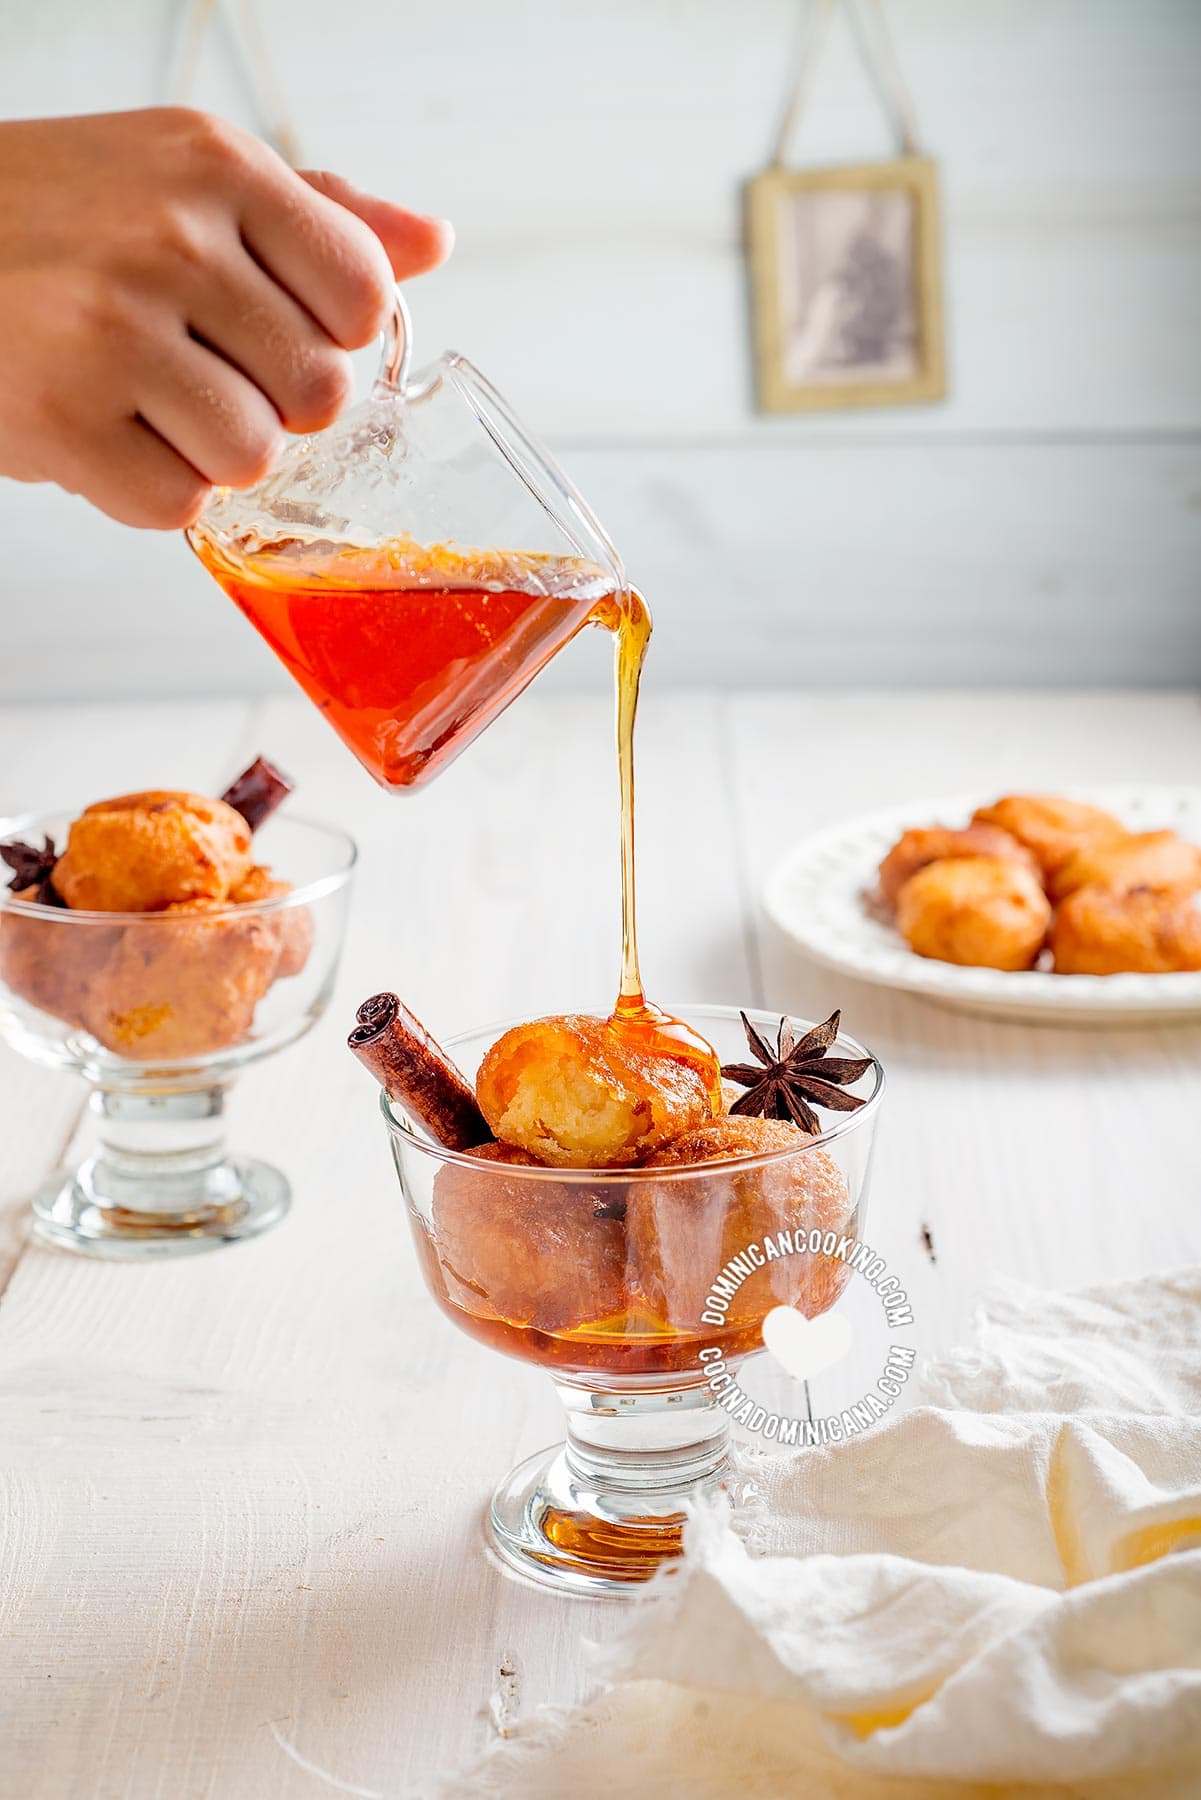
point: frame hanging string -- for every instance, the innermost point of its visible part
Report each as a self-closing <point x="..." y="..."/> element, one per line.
<point x="884" y="65"/>
<point x="268" y="86"/>
<point x="820" y="18"/>
<point x="877" y="52"/>
<point x="258" y="67"/>
<point x="179" y="90"/>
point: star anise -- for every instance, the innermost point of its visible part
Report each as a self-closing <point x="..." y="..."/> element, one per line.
<point x="783" y="1082"/>
<point x="33" y="868"/>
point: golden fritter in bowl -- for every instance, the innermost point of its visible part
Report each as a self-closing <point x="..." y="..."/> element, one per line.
<point x="144" y="852"/>
<point x="576" y="1094"/>
<point x="682" y="1234"/>
<point x="293" y="924"/>
<point x="1144" y="859"/>
<point x="183" y="984"/>
<point x="916" y="848"/>
<point x="533" y="1253"/>
<point x="1050" y="827"/>
<point x="50" y="962"/>
<point x="983" y="911"/>
<point x="1098" y="931"/>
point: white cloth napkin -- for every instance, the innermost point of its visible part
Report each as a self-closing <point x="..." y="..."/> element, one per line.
<point x="999" y="1590"/>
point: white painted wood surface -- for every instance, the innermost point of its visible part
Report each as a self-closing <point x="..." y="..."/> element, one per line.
<point x="998" y="572"/>
<point x="1040" y="526"/>
<point x="240" y="1497"/>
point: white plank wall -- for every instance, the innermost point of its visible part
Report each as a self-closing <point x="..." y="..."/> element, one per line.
<point x="240" y="1496"/>
<point x="1040" y="526"/>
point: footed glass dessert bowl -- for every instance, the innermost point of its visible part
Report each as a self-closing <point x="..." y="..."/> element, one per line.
<point x="606" y="1278"/>
<point x="158" y="1010"/>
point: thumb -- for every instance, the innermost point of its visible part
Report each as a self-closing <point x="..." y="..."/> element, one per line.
<point x="413" y="243"/>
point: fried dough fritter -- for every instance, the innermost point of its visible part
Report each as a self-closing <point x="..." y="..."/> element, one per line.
<point x="1050" y="827"/>
<point x="182" y="984"/>
<point x="921" y="845"/>
<point x="50" y="962"/>
<point x="682" y="1233"/>
<point x="292" y="924"/>
<point x="982" y="911"/>
<point x="534" y="1253"/>
<point x="179" y="981"/>
<point x="1099" y="931"/>
<point x="574" y="1094"/>
<point x="146" y="852"/>
<point x="1144" y="859"/>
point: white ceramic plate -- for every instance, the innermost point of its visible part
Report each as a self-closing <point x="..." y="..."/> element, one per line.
<point x="817" y="895"/>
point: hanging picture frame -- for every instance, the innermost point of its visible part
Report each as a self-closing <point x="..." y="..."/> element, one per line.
<point x="845" y="266"/>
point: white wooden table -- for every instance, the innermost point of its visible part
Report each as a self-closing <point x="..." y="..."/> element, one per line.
<point x="241" y="1495"/>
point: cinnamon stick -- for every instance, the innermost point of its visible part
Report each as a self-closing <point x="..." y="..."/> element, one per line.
<point x="258" y="791"/>
<point x="416" y="1073"/>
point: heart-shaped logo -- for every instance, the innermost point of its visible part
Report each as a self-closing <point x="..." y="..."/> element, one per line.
<point x="805" y="1347"/>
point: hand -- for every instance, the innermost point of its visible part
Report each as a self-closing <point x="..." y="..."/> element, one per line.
<point x="173" y="298"/>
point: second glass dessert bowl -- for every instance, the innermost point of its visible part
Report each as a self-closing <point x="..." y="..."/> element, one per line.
<point x="603" y="1278"/>
<point x="158" y="1012"/>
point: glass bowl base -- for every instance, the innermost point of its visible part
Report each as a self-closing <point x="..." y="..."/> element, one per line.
<point x="239" y="1198"/>
<point x="558" y="1525"/>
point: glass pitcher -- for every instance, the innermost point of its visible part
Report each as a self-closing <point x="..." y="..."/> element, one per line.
<point x="414" y="565"/>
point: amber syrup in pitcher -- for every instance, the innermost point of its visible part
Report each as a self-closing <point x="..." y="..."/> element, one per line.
<point x="409" y="652"/>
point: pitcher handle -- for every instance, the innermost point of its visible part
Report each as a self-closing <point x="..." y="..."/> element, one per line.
<point x="398" y="349"/>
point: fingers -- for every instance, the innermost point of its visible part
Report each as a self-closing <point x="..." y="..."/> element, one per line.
<point x="244" y="312"/>
<point x="179" y="294"/>
<point x="336" y="250"/>
<point x="133" y="476"/>
<point x="210" y="414"/>
<point x="258" y="328"/>
<point x="328" y="260"/>
<point x="414" y="242"/>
